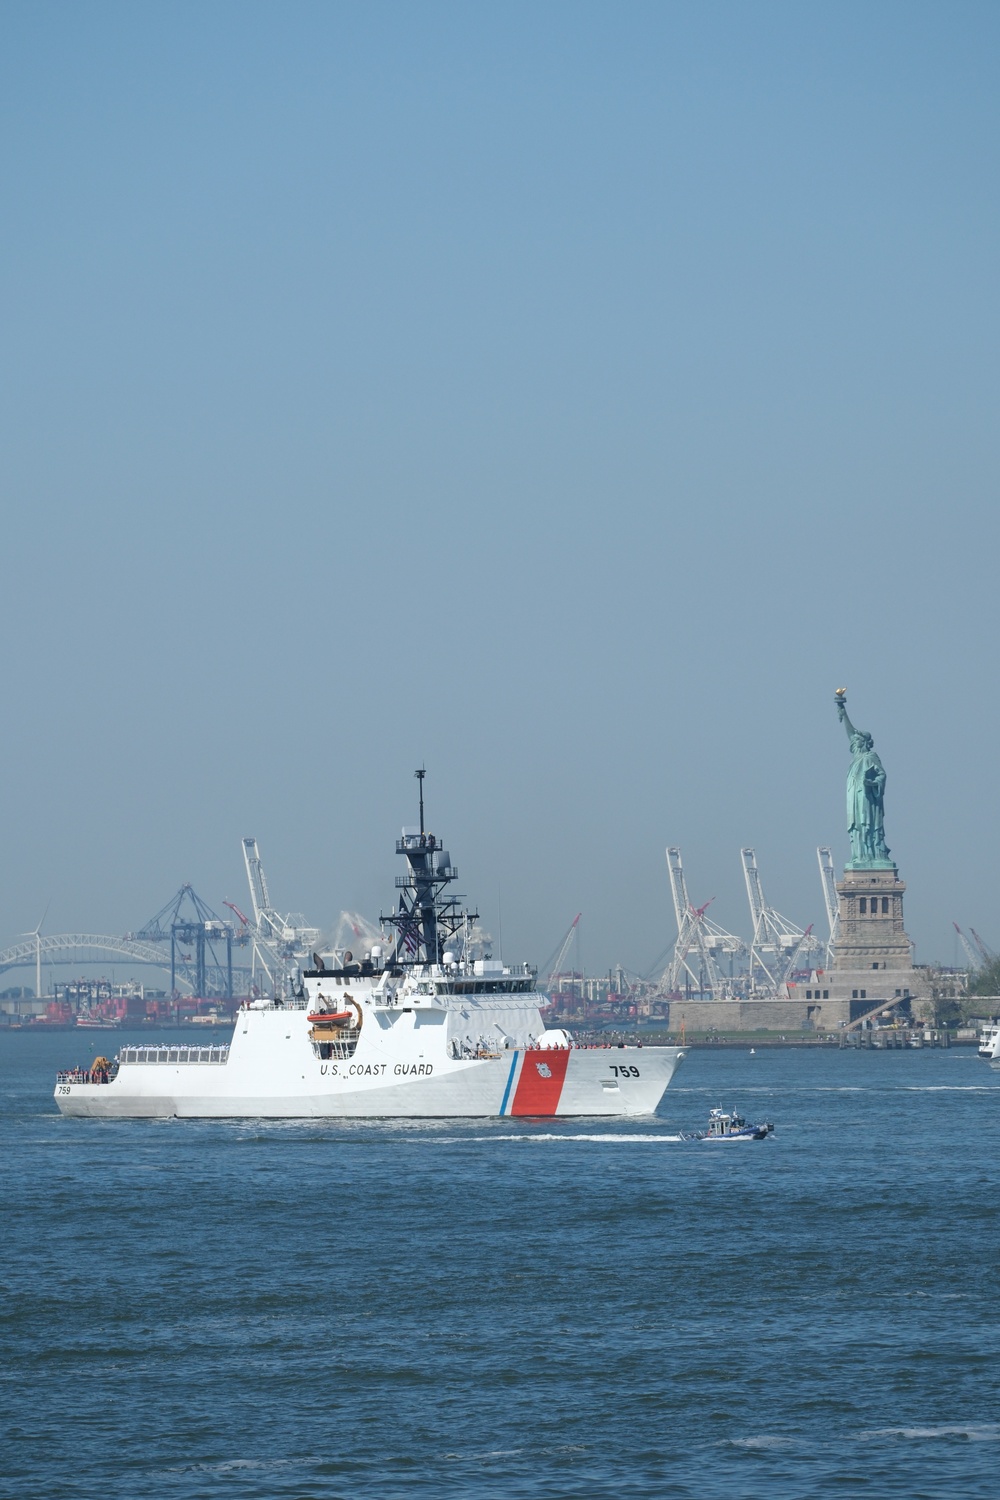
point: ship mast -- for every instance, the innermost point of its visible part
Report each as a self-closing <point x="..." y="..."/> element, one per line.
<point x="426" y="918"/>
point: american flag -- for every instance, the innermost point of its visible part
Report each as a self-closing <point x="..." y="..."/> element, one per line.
<point x="409" y="929"/>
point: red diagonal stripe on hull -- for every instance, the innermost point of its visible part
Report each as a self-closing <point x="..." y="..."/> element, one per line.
<point x="540" y="1084"/>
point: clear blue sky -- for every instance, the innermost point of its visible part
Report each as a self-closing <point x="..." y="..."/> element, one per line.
<point x="570" y="395"/>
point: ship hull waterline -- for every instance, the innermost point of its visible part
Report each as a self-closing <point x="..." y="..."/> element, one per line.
<point x="530" y="1083"/>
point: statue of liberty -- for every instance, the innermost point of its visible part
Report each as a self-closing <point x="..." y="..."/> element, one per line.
<point x="865" y="797"/>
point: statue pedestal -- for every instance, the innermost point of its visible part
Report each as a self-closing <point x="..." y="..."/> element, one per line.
<point x="873" y="957"/>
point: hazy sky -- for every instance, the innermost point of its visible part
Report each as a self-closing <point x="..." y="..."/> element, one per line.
<point x="569" y="395"/>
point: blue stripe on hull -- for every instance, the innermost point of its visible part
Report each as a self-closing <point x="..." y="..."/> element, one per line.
<point x="510" y="1080"/>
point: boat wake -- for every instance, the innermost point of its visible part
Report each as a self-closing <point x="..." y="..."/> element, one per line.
<point x="529" y="1137"/>
<point x="946" y="1088"/>
<point x="986" y="1432"/>
<point x="765" y="1440"/>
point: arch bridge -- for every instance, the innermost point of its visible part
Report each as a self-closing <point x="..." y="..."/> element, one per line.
<point x="64" y="947"/>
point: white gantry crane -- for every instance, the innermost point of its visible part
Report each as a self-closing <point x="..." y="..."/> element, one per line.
<point x="831" y="901"/>
<point x="555" y="964"/>
<point x="777" y="944"/>
<point x="697" y="934"/>
<point x="979" y="955"/>
<point x="986" y="953"/>
<point x="975" y="962"/>
<point x="355" y="931"/>
<point x="277" y="941"/>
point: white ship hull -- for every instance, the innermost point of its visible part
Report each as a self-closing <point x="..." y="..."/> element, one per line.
<point x="401" y="1068"/>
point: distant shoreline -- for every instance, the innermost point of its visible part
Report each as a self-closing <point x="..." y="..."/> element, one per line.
<point x="692" y="1042"/>
<point x="706" y="1041"/>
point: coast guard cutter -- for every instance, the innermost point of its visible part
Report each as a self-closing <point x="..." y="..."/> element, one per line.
<point x="424" y="1029"/>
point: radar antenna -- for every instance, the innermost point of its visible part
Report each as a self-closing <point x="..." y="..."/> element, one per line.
<point x="420" y="777"/>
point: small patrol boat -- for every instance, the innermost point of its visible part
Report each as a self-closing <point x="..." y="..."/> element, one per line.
<point x="731" y="1127"/>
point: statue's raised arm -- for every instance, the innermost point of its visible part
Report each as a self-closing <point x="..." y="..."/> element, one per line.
<point x="840" y="698"/>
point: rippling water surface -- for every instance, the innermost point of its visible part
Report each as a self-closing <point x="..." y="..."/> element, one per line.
<point x="506" y="1308"/>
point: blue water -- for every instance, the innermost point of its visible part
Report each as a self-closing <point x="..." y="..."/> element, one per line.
<point x="509" y="1308"/>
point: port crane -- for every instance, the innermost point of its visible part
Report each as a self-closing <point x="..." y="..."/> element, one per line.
<point x="192" y="928"/>
<point x="697" y="933"/>
<point x="831" y="901"/>
<point x="777" y="943"/>
<point x="986" y="952"/>
<point x="978" y="956"/>
<point x="289" y="935"/>
<point x="555" y="964"/>
<point x="971" y="955"/>
<point x="278" y="941"/>
<point x="352" y="927"/>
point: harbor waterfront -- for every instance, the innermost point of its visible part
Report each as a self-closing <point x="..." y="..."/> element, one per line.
<point x="430" y="960"/>
<point x="520" y="1308"/>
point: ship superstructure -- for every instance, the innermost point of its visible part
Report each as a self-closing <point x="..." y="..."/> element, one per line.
<point x="423" y="1027"/>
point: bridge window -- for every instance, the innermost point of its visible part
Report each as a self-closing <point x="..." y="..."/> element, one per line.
<point x="864" y="906"/>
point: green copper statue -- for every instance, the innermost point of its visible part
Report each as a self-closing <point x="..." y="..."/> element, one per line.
<point x="865" y="798"/>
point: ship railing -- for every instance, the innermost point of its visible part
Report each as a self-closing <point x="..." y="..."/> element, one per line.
<point x="293" y="1003"/>
<point x="201" y="1056"/>
<point x="87" y="1075"/>
<point x="339" y="1049"/>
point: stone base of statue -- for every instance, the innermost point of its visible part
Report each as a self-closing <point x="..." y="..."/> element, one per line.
<point x="873" y="957"/>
